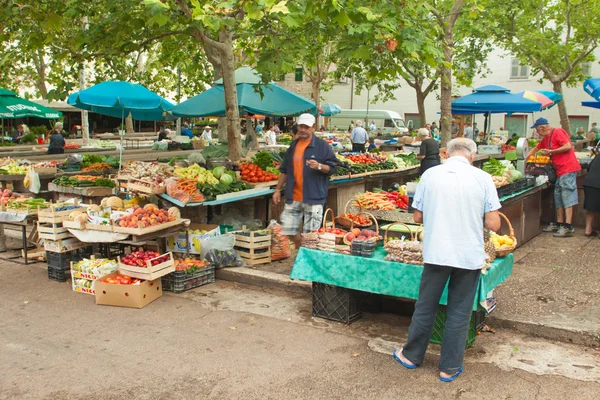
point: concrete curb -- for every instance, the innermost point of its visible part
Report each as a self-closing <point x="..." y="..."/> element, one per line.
<point x="574" y="336"/>
<point x="264" y="279"/>
<point x="273" y="280"/>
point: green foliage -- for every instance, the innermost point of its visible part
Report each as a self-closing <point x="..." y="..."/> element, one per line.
<point x="38" y="131"/>
<point x="30" y="138"/>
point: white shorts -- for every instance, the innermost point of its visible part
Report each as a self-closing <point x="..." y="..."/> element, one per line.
<point x="294" y="213"/>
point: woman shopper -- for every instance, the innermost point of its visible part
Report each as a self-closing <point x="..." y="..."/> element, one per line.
<point x="430" y="151"/>
<point x="591" y="189"/>
<point x="57" y="142"/>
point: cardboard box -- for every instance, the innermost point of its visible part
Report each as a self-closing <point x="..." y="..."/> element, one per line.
<point x="134" y="296"/>
<point x="179" y="243"/>
<point x="63" y="245"/>
<point x="489" y="149"/>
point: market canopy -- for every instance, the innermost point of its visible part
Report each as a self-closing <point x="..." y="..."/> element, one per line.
<point x="13" y="106"/>
<point x="119" y="99"/>
<point x="592" y="87"/>
<point x="544" y="100"/>
<point x="273" y="101"/>
<point x="591" y="104"/>
<point x="494" y="100"/>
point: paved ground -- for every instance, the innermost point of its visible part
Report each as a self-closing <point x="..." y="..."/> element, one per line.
<point x="227" y="341"/>
<point x="555" y="286"/>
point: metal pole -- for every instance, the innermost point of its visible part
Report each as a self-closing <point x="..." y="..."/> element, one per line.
<point x="368" y="101"/>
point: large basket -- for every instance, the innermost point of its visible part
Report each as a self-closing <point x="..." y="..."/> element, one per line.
<point x="347" y="222"/>
<point x="338" y="238"/>
<point x="375" y="239"/>
<point x="385" y="237"/>
<point x="505" y="250"/>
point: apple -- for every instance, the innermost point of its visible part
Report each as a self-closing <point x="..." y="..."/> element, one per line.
<point x="361" y="237"/>
<point x="355" y="232"/>
<point x="350" y="237"/>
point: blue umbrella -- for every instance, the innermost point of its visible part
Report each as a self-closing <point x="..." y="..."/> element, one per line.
<point x="493" y="99"/>
<point x="592" y="87"/>
<point x="329" y="110"/>
<point x="274" y="100"/>
<point x="591" y="104"/>
<point x="119" y="99"/>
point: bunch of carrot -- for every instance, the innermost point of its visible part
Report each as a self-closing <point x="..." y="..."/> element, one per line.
<point x="96" y="167"/>
<point x="375" y="201"/>
<point x="190" y="187"/>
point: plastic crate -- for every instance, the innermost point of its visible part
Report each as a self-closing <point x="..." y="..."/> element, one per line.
<point x="179" y="281"/>
<point x="63" y="260"/>
<point x="58" y="274"/>
<point x="335" y="303"/>
<point x="111" y="250"/>
<point x="477" y="321"/>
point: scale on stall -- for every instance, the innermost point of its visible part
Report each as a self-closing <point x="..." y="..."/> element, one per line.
<point x="522" y="151"/>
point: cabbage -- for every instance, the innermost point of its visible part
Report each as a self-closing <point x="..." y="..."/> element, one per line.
<point x="218" y="171"/>
<point x="226" y="179"/>
<point x="515" y="175"/>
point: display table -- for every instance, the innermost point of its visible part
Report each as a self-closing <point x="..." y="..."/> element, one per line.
<point x="376" y="275"/>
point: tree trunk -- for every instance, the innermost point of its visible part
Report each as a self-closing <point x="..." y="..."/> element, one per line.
<point x="421" y="106"/>
<point x="85" y="123"/>
<point x="252" y="141"/>
<point x="231" y="104"/>
<point x="562" y="109"/>
<point x="129" y="124"/>
<point x="40" y="82"/>
<point x="214" y="58"/>
<point x="316" y="94"/>
<point x="446" y="92"/>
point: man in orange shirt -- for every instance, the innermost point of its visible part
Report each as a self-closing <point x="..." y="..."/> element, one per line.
<point x="305" y="171"/>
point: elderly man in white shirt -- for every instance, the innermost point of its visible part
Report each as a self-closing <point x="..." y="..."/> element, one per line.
<point x="454" y="201"/>
<point x="359" y="137"/>
<point x="207" y="134"/>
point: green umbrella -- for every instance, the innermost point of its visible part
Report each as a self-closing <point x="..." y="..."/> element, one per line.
<point x="13" y="106"/>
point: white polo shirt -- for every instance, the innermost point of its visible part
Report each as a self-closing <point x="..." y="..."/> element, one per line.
<point x="454" y="197"/>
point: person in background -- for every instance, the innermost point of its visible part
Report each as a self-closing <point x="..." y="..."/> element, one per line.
<point x="580" y="131"/>
<point x="351" y="127"/>
<point x="428" y="127"/>
<point x="434" y="128"/>
<point x="454" y="202"/>
<point x="469" y="133"/>
<point x="322" y="128"/>
<point x="595" y="130"/>
<point x="259" y="128"/>
<point x="591" y="189"/>
<point x="430" y="151"/>
<point x="207" y="134"/>
<point x="162" y="134"/>
<point x="58" y="128"/>
<point x="454" y="129"/>
<point x="271" y="137"/>
<point x="556" y="143"/>
<point x="57" y="141"/>
<point x="18" y="134"/>
<point x="305" y="172"/>
<point x="276" y="129"/>
<point x="372" y="127"/>
<point x="371" y="145"/>
<point x="359" y="137"/>
<point x="186" y="131"/>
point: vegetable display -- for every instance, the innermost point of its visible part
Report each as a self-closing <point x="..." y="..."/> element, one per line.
<point x="253" y="173"/>
<point x="189" y="265"/>
<point x="201" y="175"/>
<point x="84" y="181"/>
<point x="150" y="215"/>
<point x="383" y="201"/>
<point x="493" y="167"/>
<point x="263" y="159"/>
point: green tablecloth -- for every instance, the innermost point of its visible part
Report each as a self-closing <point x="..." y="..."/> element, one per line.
<point x="375" y="275"/>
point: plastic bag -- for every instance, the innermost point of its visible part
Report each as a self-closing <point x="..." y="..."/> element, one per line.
<point x="222" y="242"/>
<point x="219" y="251"/>
<point x="173" y="191"/>
<point x="280" y="244"/>
<point x="32" y="181"/>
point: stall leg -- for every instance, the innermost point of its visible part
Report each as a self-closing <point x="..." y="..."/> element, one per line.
<point x="25" y="243"/>
<point x="2" y="239"/>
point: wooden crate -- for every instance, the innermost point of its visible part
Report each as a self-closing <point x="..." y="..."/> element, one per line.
<point x="139" y="231"/>
<point x="88" y="226"/>
<point x="253" y="241"/>
<point x="252" y="258"/>
<point x="137" y="186"/>
<point x="64" y="245"/>
<point x="150" y="272"/>
<point x="51" y="216"/>
<point x="53" y="231"/>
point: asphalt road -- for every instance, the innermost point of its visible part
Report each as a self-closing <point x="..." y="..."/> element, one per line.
<point x="225" y="341"/>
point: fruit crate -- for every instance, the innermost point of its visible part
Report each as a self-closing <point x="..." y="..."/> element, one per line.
<point x="52" y="231"/>
<point x="149" y="272"/>
<point x="254" y="256"/>
<point x="179" y="281"/>
<point x="335" y="303"/>
<point x="111" y="250"/>
<point x="477" y="321"/>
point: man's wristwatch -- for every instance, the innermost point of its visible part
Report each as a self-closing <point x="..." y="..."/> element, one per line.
<point x="319" y="167"/>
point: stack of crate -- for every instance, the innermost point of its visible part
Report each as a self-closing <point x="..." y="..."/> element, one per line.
<point x="253" y="247"/>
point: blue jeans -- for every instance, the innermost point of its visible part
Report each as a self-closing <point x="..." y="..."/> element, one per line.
<point x="461" y="293"/>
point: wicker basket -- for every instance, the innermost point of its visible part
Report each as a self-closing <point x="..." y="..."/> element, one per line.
<point x="505" y="250"/>
<point x="376" y="239"/>
<point x="338" y="238"/>
<point x="346" y="222"/>
<point x="385" y="237"/>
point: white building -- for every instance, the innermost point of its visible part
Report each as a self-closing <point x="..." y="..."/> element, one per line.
<point x="504" y="71"/>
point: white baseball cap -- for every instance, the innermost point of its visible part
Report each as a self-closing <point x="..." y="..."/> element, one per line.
<point x="306" y="119"/>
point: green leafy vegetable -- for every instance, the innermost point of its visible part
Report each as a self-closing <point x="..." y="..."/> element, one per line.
<point x="493" y="167"/>
<point x="263" y="159"/>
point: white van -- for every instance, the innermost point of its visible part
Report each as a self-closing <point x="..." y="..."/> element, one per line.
<point x="386" y="121"/>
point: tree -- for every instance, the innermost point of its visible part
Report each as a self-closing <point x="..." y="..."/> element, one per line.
<point x="554" y="38"/>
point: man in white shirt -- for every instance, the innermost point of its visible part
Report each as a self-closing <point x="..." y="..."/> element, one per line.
<point x="454" y="201"/>
<point x="372" y="127"/>
<point x="207" y="134"/>
<point x="359" y="137"/>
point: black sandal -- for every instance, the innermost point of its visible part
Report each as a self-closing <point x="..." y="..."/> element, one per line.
<point x="592" y="234"/>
